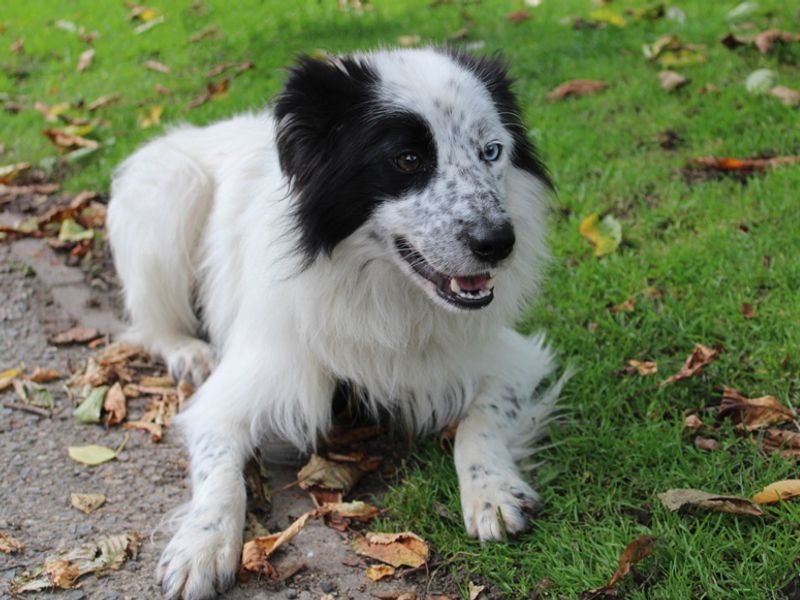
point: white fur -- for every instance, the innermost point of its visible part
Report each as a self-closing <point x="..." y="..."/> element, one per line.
<point x="204" y="211"/>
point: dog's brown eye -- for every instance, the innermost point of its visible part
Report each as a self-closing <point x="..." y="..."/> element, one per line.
<point x="408" y="162"/>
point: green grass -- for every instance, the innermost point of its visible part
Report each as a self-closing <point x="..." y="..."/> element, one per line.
<point x="623" y="441"/>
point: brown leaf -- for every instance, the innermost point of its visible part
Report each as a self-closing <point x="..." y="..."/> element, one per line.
<point x="637" y="550"/>
<point x="576" y="88"/>
<point x="378" y="572"/>
<point x="41" y="375"/>
<point x="256" y="552"/>
<point x="447" y="438"/>
<point x="397" y="549"/>
<point x="748" y="312"/>
<point x="518" y="16"/>
<point x="358" y="510"/>
<point x="17" y="46"/>
<point x="671" y="80"/>
<point x="786" y="95"/>
<point x="76" y="335"/>
<point x="628" y="305"/>
<point x="103" y="101"/>
<point x="9" y="545"/>
<point x="9" y="173"/>
<point x="743" y="166"/>
<point x="703" y="443"/>
<point x="85" y="59"/>
<point x="155" y="429"/>
<point x="475" y="590"/>
<point x="766" y="40"/>
<point x="219" y="69"/>
<point x="87" y="503"/>
<point x="644" y="368"/>
<point x="407" y="41"/>
<point x="330" y="475"/>
<point x="213" y="90"/>
<point x="778" y="491"/>
<point x="212" y="31"/>
<point x="699" y="359"/>
<point x="154" y="65"/>
<point x="781" y="441"/>
<point x="754" y="413"/>
<point x="115" y="405"/>
<point x="676" y="499"/>
<point x="693" y="423"/>
<point x="66" y="140"/>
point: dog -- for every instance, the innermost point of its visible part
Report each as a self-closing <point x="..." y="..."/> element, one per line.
<point x="379" y="225"/>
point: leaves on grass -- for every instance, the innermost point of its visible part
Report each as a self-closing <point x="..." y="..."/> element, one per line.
<point x="154" y="65"/>
<point x="704" y="443"/>
<point x="9" y="545"/>
<point x="378" y="572"/>
<point x="754" y="413"/>
<point x="607" y="16"/>
<point x="786" y="95"/>
<point x="103" y="101"/>
<point x="87" y="503"/>
<point x="212" y="91"/>
<point x="209" y="32"/>
<point x="407" y="41"/>
<point x="778" y="491"/>
<point x="68" y="141"/>
<point x="9" y="173"/>
<point x="85" y="59"/>
<point x="518" y="16"/>
<point x="644" y="368"/>
<point x="577" y="88"/>
<point x="75" y="335"/>
<point x="605" y="236"/>
<point x="627" y="305"/>
<point x="678" y="498"/>
<point x="397" y="549"/>
<point x="693" y="423"/>
<point x="764" y="41"/>
<point x="699" y="359"/>
<point x="741" y="167"/>
<point x="63" y="571"/>
<point x="761" y="81"/>
<point x="671" y="80"/>
<point x="637" y="550"/>
<point x="781" y="441"/>
<point x="150" y="116"/>
<point x="671" y="51"/>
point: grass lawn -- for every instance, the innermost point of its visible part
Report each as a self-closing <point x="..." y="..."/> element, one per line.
<point x="709" y="246"/>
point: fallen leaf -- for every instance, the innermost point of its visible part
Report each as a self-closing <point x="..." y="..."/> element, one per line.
<point x="85" y="59"/>
<point x="761" y="81"/>
<point x="397" y="549"/>
<point x="115" y="405"/>
<point x="766" y="40"/>
<point x="142" y="13"/>
<point x="87" y="503"/>
<point x="704" y="443"/>
<point x="781" y="441"/>
<point x="72" y="231"/>
<point x="91" y="455"/>
<point x="90" y="409"/>
<point x="409" y="40"/>
<point x="256" y="552"/>
<point x="740" y="167"/>
<point x="10" y="172"/>
<point x="42" y="375"/>
<point x="319" y="472"/>
<point x="778" y="491"/>
<point x="259" y="497"/>
<point x="213" y="90"/>
<point x="786" y="95"/>
<point x="160" y="89"/>
<point x="212" y="31"/>
<point x="604" y="235"/>
<point x="475" y="590"/>
<point x="9" y="545"/>
<point x="219" y="69"/>
<point x="747" y="310"/>
<point x="693" y="423"/>
<point x="378" y="572"/>
<point x="17" y="46"/>
<point x="518" y="16"/>
<point x="699" y="359"/>
<point x="358" y="510"/>
<point x="7" y="378"/>
<point x="155" y="430"/>
<point x="76" y="335"/>
<point x="637" y="550"/>
<point x="151" y="116"/>
<point x="607" y="16"/>
<point x="154" y="65"/>
<point x="63" y="571"/>
<point x="671" y="51"/>
<point x="64" y="139"/>
<point x="34" y="394"/>
<point x="148" y="25"/>
<point x="103" y="101"/>
<point x="627" y="305"/>
<point x="644" y="368"/>
<point x="577" y="88"/>
<point x="678" y="498"/>
<point x="671" y="80"/>
<point x="754" y="413"/>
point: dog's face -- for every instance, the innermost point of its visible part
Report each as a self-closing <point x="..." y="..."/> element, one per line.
<point x="413" y="147"/>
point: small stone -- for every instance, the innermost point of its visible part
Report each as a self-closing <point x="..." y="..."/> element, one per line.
<point x="326" y="587"/>
<point x="291" y="593"/>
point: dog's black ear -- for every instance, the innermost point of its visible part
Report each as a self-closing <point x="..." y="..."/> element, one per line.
<point x="320" y="96"/>
<point x="492" y="71"/>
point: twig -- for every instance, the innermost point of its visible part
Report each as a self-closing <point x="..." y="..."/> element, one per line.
<point x="28" y="408"/>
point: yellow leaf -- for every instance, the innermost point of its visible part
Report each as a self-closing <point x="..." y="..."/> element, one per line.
<point x="780" y="490"/>
<point x="604" y="235"/>
<point x="605" y="15"/>
<point x="151" y="116"/>
<point x="92" y="454"/>
<point x="87" y="503"/>
<point x="378" y="572"/>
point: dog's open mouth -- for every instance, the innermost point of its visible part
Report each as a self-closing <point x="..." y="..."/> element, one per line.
<point x="463" y="291"/>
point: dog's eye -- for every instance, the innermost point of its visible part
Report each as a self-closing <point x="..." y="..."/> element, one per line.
<point x="492" y="151"/>
<point x="408" y="162"/>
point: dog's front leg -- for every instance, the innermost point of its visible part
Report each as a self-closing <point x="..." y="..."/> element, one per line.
<point x="223" y="423"/>
<point x="497" y="431"/>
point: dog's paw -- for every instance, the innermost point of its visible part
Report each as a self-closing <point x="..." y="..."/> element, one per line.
<point x="200" y="561"/>
<point x="192" y="361"/>
<point x="495" y="504"/>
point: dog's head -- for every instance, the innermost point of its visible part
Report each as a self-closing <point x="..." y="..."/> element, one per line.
<point x="414" y="147"/>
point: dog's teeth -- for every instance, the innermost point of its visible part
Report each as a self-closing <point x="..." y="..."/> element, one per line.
<point x="454" y="286"/>
<point x="490" y="283"/>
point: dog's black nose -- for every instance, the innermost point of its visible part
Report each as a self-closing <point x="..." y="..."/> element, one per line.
<point x="493" y="243"/>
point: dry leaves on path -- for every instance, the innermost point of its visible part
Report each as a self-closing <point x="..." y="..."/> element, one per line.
<point x="9" y="545"/>
<point x="378" y="572"/>
<point x="577" y="88"/>
<point x="63" y="571"/>
<point x="404" y="549"/>
<point x="634" y="552"/>
<point x="678" y="498"/>
<point x="321" y="476"/>
<point x="778" y="491"/>
<point x="754" y="413"/>
<point x="75" y="335"/>
<point x="699" y="359"/>
<point x="86" y="503"/>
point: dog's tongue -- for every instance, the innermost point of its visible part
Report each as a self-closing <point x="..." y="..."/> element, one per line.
<point x="475" y="282"/>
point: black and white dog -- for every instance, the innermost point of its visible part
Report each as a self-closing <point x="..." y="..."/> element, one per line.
<point x="380" y="225"/>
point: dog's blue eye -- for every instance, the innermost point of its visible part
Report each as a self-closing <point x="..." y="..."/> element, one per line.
<point x="492" y="151"/>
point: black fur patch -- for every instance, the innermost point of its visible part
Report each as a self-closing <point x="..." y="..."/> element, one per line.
<point x="493" y="73"/>
<point x="337" y="147"/>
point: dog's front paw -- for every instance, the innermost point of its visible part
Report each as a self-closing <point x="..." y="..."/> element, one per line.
<point x="493" y="504"/>
<point x="191" y="360"/>
<point x="200" y="560"/>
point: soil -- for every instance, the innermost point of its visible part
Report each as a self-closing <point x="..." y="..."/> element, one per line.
<point x="41" y="296"/>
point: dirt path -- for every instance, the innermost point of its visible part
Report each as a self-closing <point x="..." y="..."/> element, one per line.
<point x="39" y="297"/>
